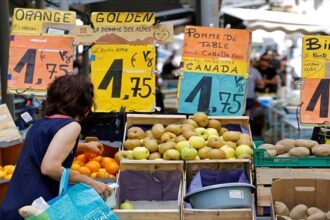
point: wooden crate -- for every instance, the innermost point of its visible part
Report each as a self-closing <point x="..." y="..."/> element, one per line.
<point x="151" y="214"/>
<point x="265" y="177"/>
<point x="211" y="214"/>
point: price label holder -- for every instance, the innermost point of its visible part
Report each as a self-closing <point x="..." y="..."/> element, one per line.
<point x="315" y="101"/>
<point x="123" y="77"/>
<point x="216" y="94"/>
<point x="35" y="61"/>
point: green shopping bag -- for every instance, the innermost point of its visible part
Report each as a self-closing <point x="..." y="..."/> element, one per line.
<point x="78" y="202"/>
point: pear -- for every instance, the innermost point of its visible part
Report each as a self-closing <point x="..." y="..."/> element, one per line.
<point x="213" y="123"/>
<point x="135" y="133"/>
<point x="162" y="148"/>
<point x="168" y="136"/>
<point x="174" y="128"/>
<point x="151" y="145"/>
<point x="203" y="152"/>
<point x="216" y="154"/>
<point x="201" y="119"/>
<point x="130" y="144"/>
<point x="190" y="122"/>
<point x="215" y="142"/>
<point x="157" y="130"/>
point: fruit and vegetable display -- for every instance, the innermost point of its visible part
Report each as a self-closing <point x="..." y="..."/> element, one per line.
<point x="6" y="172"/>
<point x="95" y="166"/>
<point x="300" y="211"/>
<point x="194" y="139"/>
<point x="297" y="148"/>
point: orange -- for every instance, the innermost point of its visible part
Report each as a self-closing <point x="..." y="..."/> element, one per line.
<point x="106" y="160"/>
<point x="75" y="166"/>
<point x="93" y="175"/>
<point x="93" y="165"/>
<point x="102" y="173"/>
<point x="8" y="176"/>
<point x="112" y="176"/>
<point x="90" y="155"/>
<point x="112" y="167"/>
<point x="79" y="162"/>
<point x="10" y="169"/>
<point x="84" y="171"/>
<point x="2" y="174"/>
<point x="82" y="158"/>
<point x="98" y="158"/>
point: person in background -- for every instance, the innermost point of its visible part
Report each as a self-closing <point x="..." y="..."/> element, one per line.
<point x="269" y="76"/>
<point x="254" y="81"/>
<point x="50" y="146"/>
<point x="168" y="68"/>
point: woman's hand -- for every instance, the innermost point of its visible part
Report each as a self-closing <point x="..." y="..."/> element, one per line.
<point x="101" y="188"/>
<point x="92" y="147"/>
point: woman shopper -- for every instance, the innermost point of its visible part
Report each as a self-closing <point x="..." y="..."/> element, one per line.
<point x="50" y="146"/>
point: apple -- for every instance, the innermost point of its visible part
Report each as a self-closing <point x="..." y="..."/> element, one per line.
<point x="243" y="149"/>
<point x="189" y="153"/>
<point x="230" y="152"/>
<point x="172" y="154"/>
<point x="213" y="132"/>
<point x="140" y="153"/>
<point x="126" y="154"/>
<point x="126" y="205"/>
<point x="182" y="144"/>
<point x="197" y="142"/>
<point x="202" y="132"/>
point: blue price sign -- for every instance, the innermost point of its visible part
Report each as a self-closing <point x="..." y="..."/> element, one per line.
<point x="216" y="94"/>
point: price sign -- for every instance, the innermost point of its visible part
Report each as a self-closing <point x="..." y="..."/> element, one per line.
<point x="123" y="77"/>
<point x="217" y="94"/>
<point x="316" y="57"/>
<point x="315" y="101"/>
<point x="39" y="21"/>
<point x="35" y="61"/>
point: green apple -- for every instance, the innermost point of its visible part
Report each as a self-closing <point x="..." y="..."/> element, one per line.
<point x="126" y="205"/>
<point x="243" y="149"/>
<point x="182" y="144"/>
<point x="197" y="142"/>
<point x="140" y="153"/>
<point x="230" y="152"/>
<point x="202" y="132"/>
<point x="172" y="154"/>
<point x="212" y="132"/>
<point x="188" y="153"/>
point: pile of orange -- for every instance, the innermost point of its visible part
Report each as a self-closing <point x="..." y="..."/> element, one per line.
<point x="95" y="166"/>
<point x="6" y="171"/>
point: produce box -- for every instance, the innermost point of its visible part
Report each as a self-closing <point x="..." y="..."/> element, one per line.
<point x="154" y="188"/>
<point x="309" y="192"/>
<point x="192" y="167"/>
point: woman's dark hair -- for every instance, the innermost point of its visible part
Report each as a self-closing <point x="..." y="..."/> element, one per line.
<point x="70" y="95"/>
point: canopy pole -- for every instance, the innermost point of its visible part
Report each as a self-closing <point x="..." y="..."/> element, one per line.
<point x="4" y="57"/>
<point x="210" y="12"/>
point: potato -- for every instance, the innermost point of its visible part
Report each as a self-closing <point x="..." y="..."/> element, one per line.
<point x="322" y="150"/>
<point x="272" y="153"/>
<point x="313" y="210"/>
<point x="306" y="143"/>
<point x="280" y="149"/>
<point x="281" y="208"/>
<point x="231" y="136"/>
<point x="283" y="218"/>
<point x="299" y="152"/>
<point x="317" y="216"/>
<point x="267" y="146"/>
<point x="298" y="212"/>
<point x="283" y="155"/>
<point x="287" y="143"/>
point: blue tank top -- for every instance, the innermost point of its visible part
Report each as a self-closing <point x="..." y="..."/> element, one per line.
<point x="27" y="182"/>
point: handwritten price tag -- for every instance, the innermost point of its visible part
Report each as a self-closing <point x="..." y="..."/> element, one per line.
<point x="34" y="62"/>
<point x="217" y="94"/>
<point x="123" y="77"/>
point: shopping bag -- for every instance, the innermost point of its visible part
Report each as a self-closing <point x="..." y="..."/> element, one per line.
<point x="78" y="202"/>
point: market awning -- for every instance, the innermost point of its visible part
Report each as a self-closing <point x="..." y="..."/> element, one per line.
<point x="255" y="19"/>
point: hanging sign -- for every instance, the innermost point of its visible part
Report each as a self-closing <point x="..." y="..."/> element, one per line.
<point x="315" y="101"/>
<point x="35" y="61"/>
<point x="39" y="21"/>
<point x="123" y="77"/>
<point x="122" y="18"/>
<point x="216" y="94"/>
<point x="316" y="57"/>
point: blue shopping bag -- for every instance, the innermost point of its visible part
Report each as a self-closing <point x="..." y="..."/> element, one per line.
<point x="78" y="202"/>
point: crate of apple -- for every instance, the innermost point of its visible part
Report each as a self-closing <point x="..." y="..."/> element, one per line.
<point x="95" y="166"/>
<point x="196" y="138"/>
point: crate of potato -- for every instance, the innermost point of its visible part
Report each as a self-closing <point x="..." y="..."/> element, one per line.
<point x="173" y="137"/>
<point x="292" y="153"/>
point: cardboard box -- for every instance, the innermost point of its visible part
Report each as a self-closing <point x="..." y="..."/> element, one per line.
<point x="310" y="192"/>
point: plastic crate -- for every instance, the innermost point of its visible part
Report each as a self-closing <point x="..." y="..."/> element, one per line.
<point x="262" y="159"/>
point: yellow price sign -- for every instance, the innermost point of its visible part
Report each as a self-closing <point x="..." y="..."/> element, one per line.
<point x="217" y="66"/>
<point x="123" y="77"/>
<point x="316" y="57"/>
<point x="39" y="21"/>
<point x="123" y="18"/>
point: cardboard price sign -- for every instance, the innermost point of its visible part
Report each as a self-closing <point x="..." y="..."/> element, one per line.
<point x="8" y="130"/>
<point x="217" y="94"/>
<point x="123" y="77"/>
<point x="122" y="18"/>
<point x="40" y="21"/>
<point x="316" y="57"/>
<point x="315" y="101"/>
<point x="215" y="43"/>
<point x="35" y="61"/>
